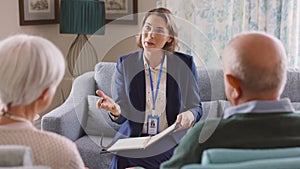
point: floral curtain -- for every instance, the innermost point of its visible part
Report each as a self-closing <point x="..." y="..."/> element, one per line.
<point x="205" y="26"/>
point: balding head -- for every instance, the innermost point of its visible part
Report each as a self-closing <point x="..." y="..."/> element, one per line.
<point x="258" y="63"/>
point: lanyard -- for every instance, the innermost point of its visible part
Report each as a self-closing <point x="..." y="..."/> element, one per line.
<point x="157" y="85"/>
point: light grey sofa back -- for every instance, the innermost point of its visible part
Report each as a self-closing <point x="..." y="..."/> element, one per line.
<point x="210" y="81"/>
<point x="211" y="84"/>
<point x="292" y="87"/>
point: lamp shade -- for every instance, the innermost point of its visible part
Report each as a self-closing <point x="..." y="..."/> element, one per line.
<point x="82" y="17"/>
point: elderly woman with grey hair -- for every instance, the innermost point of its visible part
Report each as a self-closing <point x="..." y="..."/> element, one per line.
<point x="31" y="68"/>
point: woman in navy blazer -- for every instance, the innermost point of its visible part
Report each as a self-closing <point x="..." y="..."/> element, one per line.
<point x="157" y="84"/>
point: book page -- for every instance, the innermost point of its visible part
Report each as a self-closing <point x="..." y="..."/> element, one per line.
<point x="129" y="144"/>
<point x="157" y="137"/>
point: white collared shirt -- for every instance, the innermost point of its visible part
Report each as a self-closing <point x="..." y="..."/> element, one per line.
<point x="161" y="100"/>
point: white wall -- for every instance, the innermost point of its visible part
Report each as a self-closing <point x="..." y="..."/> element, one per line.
<point x="113" y="44"/>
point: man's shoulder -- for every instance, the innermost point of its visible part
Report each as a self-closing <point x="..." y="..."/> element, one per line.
<point x="206" y="125"/>
<point x="214" y="123"/>
<point x="265" y="114"/>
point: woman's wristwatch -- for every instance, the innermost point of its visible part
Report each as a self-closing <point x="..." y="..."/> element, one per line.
<point x="114" y="117"/>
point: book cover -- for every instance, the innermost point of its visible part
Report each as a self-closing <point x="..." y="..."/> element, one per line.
<point x="140" y="142"/>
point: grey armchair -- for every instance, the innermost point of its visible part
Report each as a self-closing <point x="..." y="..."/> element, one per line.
<point x="70" y="119"/>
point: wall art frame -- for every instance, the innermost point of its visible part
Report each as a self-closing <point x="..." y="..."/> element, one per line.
<point x="121" y="11"/>
<point x="38" y="12"/>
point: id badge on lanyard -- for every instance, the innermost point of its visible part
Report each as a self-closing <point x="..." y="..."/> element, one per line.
<point x="153" y="120"/>
<point x="152" y="124"/>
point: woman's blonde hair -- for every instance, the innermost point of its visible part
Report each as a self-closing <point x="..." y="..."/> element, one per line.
<point x="28" y="65"/>
<point x="171" y="26"/>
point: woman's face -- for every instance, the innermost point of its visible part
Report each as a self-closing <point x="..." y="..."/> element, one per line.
<point x="155" y="33"/>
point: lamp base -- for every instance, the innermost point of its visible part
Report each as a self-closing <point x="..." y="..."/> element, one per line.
<point x="82" y="56"/>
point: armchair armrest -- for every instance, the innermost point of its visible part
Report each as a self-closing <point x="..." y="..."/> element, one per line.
<point x="70" y="118"/>
<point x="15" y="155"/>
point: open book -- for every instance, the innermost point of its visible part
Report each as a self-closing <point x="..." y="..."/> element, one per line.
<point x="140" y="142"/>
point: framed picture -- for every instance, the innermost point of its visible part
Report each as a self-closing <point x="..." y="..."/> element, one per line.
<point x="121" y="11"/>
<point x="37" y="12"/>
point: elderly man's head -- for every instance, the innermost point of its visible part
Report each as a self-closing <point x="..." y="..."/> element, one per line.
<point x="254" y="68"/>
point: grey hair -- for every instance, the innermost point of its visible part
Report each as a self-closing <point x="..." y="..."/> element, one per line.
<point x="261" y="79"/>
<point x="28" y="65"/>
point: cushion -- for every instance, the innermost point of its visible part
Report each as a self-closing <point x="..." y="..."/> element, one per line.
<point x="281" y="163"/>
<point x="226" y="155"/>
<point x="92" y="153"/>
<point x="98" y="121"/>
<point x="104" y="72"/>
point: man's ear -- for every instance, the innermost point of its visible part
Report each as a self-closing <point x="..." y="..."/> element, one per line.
<point x="45" y="94"/>
<point x="234" y="83"/>
<point x="170" y="40"/>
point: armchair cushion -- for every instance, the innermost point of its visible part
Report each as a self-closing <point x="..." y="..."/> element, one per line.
<point x="104" y="75"/>
<point x="225" y="155"/>
<point x="280" y="163"/>
<point x="93" y="154"/>
<point x="98" y="120"/>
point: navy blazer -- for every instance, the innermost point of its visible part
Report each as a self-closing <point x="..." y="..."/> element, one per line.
<point x="129" y="90"/>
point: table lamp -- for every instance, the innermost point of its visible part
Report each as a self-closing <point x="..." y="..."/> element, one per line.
<point x="82" y="17"/>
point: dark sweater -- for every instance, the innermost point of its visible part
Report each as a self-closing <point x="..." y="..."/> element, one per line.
<point x="253" y="130"/>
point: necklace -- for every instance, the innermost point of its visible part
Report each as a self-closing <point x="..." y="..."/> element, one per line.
<point x="13" y="117"/>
